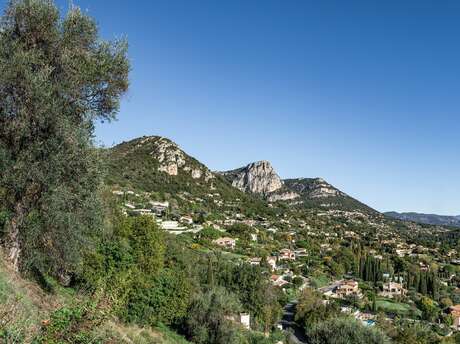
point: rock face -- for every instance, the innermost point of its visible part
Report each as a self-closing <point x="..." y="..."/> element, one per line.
<point x="171" y="159"/>
<point x="314" y="188"/>
<point x="282" y="196"/>
<point x="257" y="177"/>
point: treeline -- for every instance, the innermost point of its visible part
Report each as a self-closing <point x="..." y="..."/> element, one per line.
<point x="373" y="269"/>
<point x="425" y="283"/>
<point x="152" y="279"/>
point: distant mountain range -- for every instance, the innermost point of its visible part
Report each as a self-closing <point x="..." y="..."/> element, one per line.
<point x="430" y="219"/>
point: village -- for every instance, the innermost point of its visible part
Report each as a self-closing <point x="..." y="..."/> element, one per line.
<point x="298" y="253"/>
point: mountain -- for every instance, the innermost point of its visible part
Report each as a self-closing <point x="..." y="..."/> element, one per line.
<point x="261" y="179"/>
<point x="316" y="192"/>
<point x="430" y="219"/>
<point x="155" y="164"/>
<point x="257" y="177"/>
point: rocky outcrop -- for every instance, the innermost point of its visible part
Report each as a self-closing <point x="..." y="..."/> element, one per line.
<point x="257" y="177"/>
<point x="171" y="158"/>
<point x="282" y="196"/>
<point x="313" y="188"/>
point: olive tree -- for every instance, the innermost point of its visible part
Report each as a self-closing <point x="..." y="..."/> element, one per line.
<point x="57" y="77"/>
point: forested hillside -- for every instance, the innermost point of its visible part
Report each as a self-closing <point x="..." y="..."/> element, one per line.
<point x="141" y="243"/>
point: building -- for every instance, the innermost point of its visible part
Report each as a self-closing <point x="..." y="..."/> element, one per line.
<point x="454" y="311"/>
<point x="300" y="252"/>
<point x="245" y="320"/>
<point x="142" y="212"/>
<point x="286" y="254"/>
<point x="170" y="225"/>
<point x="159" y="207"/>
<point x="272" y="262"/>
<point x="392" y="289"/>
<point x="254" y="261"/>
<point x="225" y="242"/>
<point x="347" y="288"/>
<point x="278" y="280"/>
<point x="186" y="220"/>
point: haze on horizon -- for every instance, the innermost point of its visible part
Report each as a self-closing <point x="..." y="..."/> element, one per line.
<point x="363" y="94"/>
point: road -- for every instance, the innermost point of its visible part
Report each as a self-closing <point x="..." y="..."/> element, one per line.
<point x="296" y="334"/>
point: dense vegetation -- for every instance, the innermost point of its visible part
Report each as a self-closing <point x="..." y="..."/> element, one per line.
<point x="108" y="274"/>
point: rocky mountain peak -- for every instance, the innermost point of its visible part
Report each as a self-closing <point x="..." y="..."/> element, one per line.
<point x="257" y="177"/>
<point x="168" y="156"/>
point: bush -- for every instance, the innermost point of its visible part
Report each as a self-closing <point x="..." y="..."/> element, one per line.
<point x="345" y="331"/>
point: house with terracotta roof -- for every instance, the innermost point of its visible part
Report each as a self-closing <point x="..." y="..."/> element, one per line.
<point x="348" y="288"/>
<point x="278" y="280"/>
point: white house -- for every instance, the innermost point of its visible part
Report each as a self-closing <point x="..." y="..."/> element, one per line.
<point x="286" y="254"/>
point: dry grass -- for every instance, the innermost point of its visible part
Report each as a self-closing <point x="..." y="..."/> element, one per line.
<point x="23" y="304"/>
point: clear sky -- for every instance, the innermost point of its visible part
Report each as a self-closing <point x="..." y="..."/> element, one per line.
<point x="365" y="94"/>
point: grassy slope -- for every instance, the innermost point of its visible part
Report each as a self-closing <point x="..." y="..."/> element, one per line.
<point x="24" y="306"/>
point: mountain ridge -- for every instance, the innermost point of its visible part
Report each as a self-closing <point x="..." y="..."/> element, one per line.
<point x="430" y="219"/>
<point x="157" y="164"/>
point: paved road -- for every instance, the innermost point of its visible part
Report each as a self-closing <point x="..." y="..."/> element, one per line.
<point x="330" y="287"/>
<point x="297" y="335"/>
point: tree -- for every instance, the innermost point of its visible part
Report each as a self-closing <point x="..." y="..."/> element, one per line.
<point x="311" y="309"/>
<point x="429" y="309"/>
<point x="56" y="78"/>
<point x="344" y="331"/>
<point x="208" y="318"/>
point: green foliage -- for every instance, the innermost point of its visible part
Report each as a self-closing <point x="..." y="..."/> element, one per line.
<point x="162" y="300"/>
<point x="208" y="320"/>
<point x="430" y="311"/>
<point x="72" y="325"/>
<point x="253" y="289"/>
<point x="345" y="331"/>
<point x="57" y="77"/>
<point x="311" y="309"/>
<point x="210" y="233"/>
<point x="128" y="260"/>
<point x="415" y="333"/>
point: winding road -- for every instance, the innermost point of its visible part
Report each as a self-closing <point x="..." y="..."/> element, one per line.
<point x="296" y="333"/>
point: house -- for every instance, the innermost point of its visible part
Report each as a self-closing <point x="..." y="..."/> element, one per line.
<point x="272" y="262"/>
<point x="245" y="320"/>
<point x="186" y="219"/>
<point x="225" y="242"/>
<point x="254" y="261"/>
<point x="286" y="254"/>
<point x="278" y="280"/>
<point x="142" y="212"/>
<point x="392" y="289"/>
<point x="159" y="207"/>
<point x="454" y="311"/>
<point x="347" y="288"/>
<point x="301" y="252"/>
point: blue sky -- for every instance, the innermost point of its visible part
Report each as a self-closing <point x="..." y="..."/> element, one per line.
<point x="365" y="94"/>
